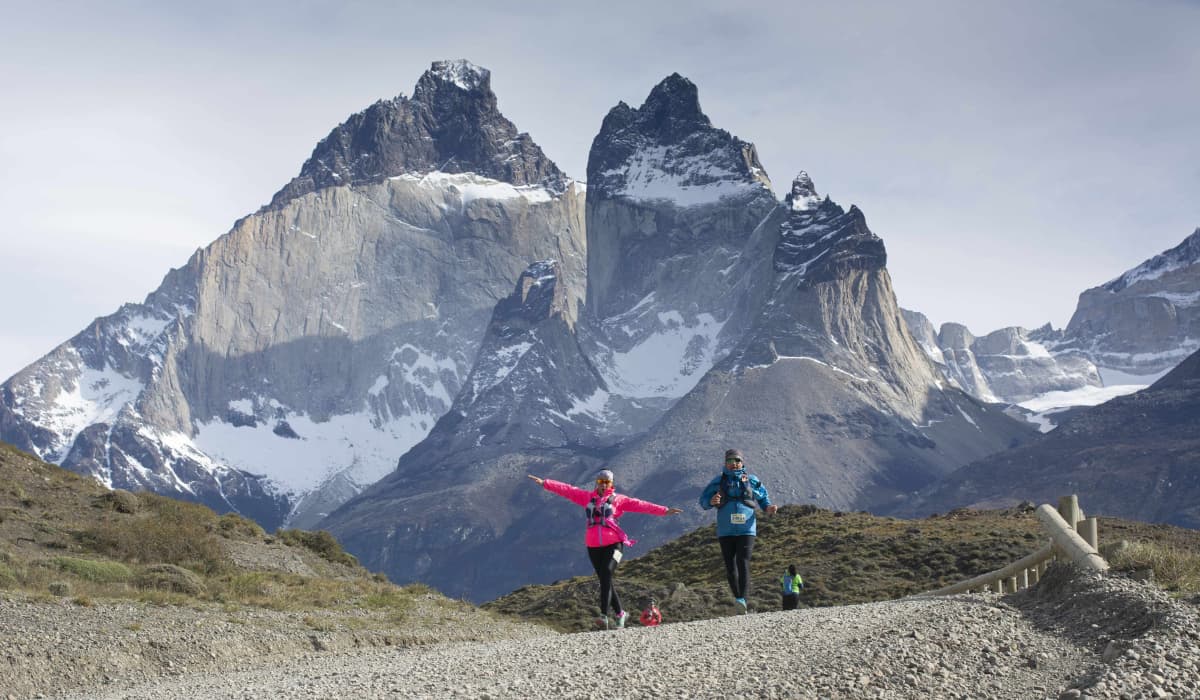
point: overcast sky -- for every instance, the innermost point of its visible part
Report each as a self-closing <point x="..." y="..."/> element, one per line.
<point x="1010" y="156"/>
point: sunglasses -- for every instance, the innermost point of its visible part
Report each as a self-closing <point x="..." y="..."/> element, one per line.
<point x="603" y="481"/>
<point x="733" y="461"/>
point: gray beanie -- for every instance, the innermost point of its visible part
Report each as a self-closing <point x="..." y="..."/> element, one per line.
<point x="604" y="474"/>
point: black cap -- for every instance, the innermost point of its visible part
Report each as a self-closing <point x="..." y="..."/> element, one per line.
<point x="733" y="454"/>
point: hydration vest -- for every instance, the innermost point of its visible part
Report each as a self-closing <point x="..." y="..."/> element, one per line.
<point x="596" y="515"/>
<point x="733" y="489"/>
<point x="601" y="515"/>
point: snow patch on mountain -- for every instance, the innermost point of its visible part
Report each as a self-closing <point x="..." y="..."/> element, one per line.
<point x="468" y="187"/>
<point x="1044" y="406"/>
<point x="667" y="362"/>
<point x="461" y="73"/>
<point x="1165" y="358"/>
<point x="1113" y="377"/>
<point x="1178" y="299"/>
<point x="1183" y="255"/>
<point x="665" y="173"/>
<point x="505" y="361"/>
<point x="594" y="405"/>
<point x="139" y="332"/>
<point x="97" y="396"/>
<point x="417" y="367"/>
<point x="359" y="442"/>
<point x="814" y="360"/>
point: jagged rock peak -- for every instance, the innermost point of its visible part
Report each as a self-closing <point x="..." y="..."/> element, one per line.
<point x="459" y="73"/>
<point x="674" y="106"/>
<point x="451" y="124"/>
<point x="537" y="297"/>
<point x="804" y="194"/>
<point x="1183" y="255"/>
<point x="820" y="241"/>
<point x="668" y="150"/>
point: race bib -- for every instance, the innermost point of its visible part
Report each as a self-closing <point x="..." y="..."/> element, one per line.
<point x="617" y="554"/>
<point x="737" y="518"/>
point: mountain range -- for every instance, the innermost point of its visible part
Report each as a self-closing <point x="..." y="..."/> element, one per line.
<point x="432" y="309"/>
<point x="1123" y="336"/>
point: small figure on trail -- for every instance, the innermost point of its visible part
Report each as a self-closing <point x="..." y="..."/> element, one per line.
<point x="734" y="494"/>
<point x="604" y="538"/>
<point x="792" y="583"/>
<point x="651" y="616"/>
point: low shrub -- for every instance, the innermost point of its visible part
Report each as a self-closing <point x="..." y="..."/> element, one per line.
<point x="59" y="588"/>
<point x="1175" y="569"/>
<point x="233" y="524"/>
<point x="170" y="578"/>
<point x="320" y="542"/>
<point x="166" y="532"/>
<point x="8" y="577"/>
<point x="94" y="571"/>
<point x="119" y="500"/>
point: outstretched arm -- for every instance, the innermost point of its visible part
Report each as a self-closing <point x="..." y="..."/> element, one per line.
<point x="636" y="505"/>
<point x="573" y="494"/>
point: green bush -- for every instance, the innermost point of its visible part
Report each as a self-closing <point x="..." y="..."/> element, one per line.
<point x="232" y="524"/>
<point x="94" y="571"/>
<point x="1175" y="569"/>
<point x="166" y="532"/>
<point x="320" y="542"/>
<point x="119" y="500"/>
<point x="8" y="577"/>
<point x="169" y="578"/>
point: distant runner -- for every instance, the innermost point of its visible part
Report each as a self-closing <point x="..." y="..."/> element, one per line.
<point x="604" y="538"/>
<point x="734" y="493"/>
<point x="790" y="586"/>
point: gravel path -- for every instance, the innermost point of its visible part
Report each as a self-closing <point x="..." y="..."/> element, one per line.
<point x="970" y="647"/>
<point x="1079" y="636"/>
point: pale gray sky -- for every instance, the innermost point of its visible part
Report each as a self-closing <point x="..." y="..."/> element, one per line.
<point x="1010" y="155"/>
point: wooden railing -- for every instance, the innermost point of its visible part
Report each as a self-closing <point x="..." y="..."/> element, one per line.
<point x="1072" y="537"/>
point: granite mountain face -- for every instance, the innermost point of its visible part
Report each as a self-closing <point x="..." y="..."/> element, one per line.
<point x="773" y="327"/>
<point x="674" y="214"/>
<point x="672" y="209"/>
<point x="1010" y="365"/>
<point x="1123" y="335"/>
<point x="288" y="363"/>
<point x="1145" y="321"/>
<point x="826" y="393"/>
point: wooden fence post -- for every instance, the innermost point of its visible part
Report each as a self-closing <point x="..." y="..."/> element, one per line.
<point x="1088" y="529"/>
<point x="1068" y="508"/>
<point x="1073" y="546"/>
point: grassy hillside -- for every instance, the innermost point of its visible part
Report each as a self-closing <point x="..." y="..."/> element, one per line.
<point x="65" y="536"/>
<point x="844" y="558"/>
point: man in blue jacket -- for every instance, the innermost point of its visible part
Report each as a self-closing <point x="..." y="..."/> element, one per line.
<point x="734" y="494"/>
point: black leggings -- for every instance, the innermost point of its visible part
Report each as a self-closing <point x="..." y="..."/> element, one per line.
<point x="736" y="551"/>
<point x="606" y="566"/>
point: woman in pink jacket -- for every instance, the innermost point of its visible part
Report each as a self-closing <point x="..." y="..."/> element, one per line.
<point x="604" y="537"/>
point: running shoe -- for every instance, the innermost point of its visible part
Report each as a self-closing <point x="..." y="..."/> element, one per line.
<point x="602" y="622"/>
<point x="621" y="620"/>
<point x="741" y="605"/>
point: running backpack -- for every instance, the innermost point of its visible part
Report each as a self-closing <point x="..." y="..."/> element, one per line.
<point x="792" y="584"/>
<point x="733" y="489"/>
